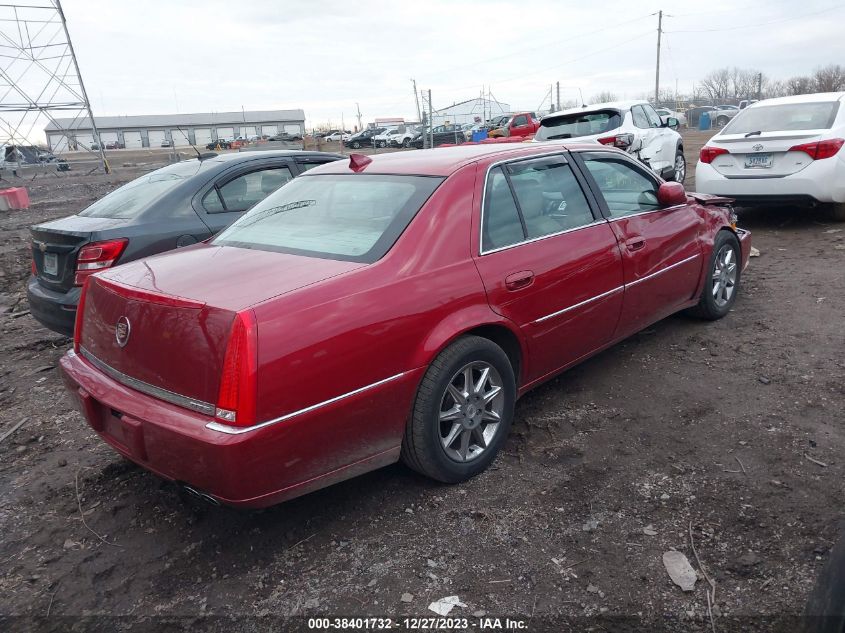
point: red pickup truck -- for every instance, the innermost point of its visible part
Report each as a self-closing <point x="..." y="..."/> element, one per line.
<point x="519" y="124"/>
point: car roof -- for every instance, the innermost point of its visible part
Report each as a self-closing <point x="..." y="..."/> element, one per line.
<point x="443" y="161"/>
<point x="607" y="105"/>
<point x="819" y="97"/>
<point x="270" y="153"/>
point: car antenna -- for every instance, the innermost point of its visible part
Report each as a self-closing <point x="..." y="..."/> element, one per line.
<point x="200" y="155"/>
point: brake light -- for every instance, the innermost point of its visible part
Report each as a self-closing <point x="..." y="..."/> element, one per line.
<point x="97" y="256"/>
<point x="77" y="325"/>
<point x="32" y="267"/>
<point x="236" y="397"/>
<point x="708" y="153"/>
<point x="622" y="141"/>
<point x="817" y="150"/>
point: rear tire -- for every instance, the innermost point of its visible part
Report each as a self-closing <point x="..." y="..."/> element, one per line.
<point x="721" y="282"/>
<point x="406" y="143"/>
<point x="837" y="212"/>
<point x="356" y="145"/>
<point x="722" y="121"/>
<point x="477" y="417"/>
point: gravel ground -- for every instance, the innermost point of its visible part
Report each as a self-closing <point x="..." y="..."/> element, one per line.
<point x="727" y="433"/>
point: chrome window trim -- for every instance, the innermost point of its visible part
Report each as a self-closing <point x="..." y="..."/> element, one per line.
<point x="144" y="387"/>
<point x="578" y="305"/>
<point x="507" y="161"/>
<point x="236" y="430"/>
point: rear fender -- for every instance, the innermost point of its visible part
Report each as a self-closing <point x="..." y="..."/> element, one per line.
<point x="459" y="323"/>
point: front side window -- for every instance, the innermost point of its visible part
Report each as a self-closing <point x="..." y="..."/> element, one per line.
<point x="520" y="120"/>
<point x="352" y="218"/>
<point x="246" y="190"/>
<point x="626" y="189"/>
<point x="653" y="119"/>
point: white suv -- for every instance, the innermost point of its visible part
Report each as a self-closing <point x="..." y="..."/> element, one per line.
<point x="630" y="125"/>
<point x="782" y="151"/>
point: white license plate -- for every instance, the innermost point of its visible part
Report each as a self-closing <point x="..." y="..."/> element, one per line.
<point x="758" y="161"/>
<point x="51" y="264"/>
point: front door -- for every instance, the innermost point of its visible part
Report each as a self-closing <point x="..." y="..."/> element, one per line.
<point x="661" y="253"/>
<point x="548" y="263"/>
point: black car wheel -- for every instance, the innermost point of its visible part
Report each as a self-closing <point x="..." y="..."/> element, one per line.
<point x="722" y="121"/>
<point x="356" y="145"/>
<point x="462" y="413"/>
<point x="406" y="143"/>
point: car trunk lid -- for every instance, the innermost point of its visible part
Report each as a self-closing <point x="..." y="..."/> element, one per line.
<point x="56" y="244"/>
<point x="162" y="325"/>
<point x="765" y="155"/>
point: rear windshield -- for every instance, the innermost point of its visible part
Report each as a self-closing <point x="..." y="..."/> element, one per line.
<point x="782" y="118"/>
<point x="578" y="124"/>
<point x="134" y="197"/>
<point x="353" y="218"/>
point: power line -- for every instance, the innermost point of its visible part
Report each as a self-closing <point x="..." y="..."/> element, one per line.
<point x="760" y="24"/>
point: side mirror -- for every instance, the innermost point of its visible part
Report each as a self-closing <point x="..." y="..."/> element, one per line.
<point x="671" y="194"/>
<point x="672" y="122"/>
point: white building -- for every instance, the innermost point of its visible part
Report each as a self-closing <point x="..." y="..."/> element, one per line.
<point x="471" y="111"/>
<point x="179" y="129"/>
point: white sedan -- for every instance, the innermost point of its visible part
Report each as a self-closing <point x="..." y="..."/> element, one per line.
<point x="337" y="136"/>
<point x="780" y="151"/>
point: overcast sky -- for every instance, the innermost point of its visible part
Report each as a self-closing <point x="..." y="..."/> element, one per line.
<point x="324" y="56"/>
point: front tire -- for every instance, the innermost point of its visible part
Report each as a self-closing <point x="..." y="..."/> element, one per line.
<point x="722" y="281"/>
<point x="837" y="212"/>
<point x="679" y="173"/>
<point x="462" y="413"/>
<point x="722" y="121"/>
<point x="406" y="143"/>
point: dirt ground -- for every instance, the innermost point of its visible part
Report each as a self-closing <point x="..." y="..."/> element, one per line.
<point x="727" y="433"/>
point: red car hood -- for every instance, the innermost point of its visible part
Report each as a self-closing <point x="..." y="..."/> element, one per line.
<point x="225" y="276"/>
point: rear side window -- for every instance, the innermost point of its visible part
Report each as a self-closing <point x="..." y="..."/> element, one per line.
<point x="640" y="119"/>
<point x="532" y="199"/>
<point x="579" y="124"/>
<point x="347" y="217"/>
<point x="785" y="117"/>
<point x="136" y="196"/>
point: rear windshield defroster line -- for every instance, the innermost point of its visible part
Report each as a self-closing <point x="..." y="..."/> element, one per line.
<point x="355" y="217"/>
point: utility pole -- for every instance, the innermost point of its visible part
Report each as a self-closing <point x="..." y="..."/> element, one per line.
<point x="417" y="99"/>
<point x="431" y="119"/>
<point x="657" y="72"/>
<point x="360" y="125"/>
<point x="558" y="96"/>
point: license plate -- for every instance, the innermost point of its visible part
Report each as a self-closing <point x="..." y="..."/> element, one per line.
<point x="51" y="264"/>
<point x="758" y="161"/>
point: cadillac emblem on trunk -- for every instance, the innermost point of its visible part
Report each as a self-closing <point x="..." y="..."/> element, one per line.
<point x="121" y="331"/>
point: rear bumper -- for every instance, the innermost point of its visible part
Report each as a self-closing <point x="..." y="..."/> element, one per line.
<point x="54" y="310"/>
<point x="823" y="181"/>
<point x="254" y="469"/>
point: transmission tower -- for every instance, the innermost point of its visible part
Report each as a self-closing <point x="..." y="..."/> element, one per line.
<point x="40" y="85"/>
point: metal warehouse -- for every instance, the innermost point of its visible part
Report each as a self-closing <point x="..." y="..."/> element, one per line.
<point x="470" y="111"/>
<point x="180" y="129"/>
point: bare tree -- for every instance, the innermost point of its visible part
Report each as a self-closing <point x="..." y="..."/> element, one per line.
<point x="716" y="85"/>
<point x="775" y="88"/>
<point x="604" y="95"/>
<point x="799" y="85"/>
<point x="830" y="78"/>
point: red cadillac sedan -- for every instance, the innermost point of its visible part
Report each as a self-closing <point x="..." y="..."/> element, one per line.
<point x="388" y="308"/>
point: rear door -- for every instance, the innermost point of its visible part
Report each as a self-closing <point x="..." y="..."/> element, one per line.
<point x="666" y="138"/>
<point x="651" y="147"/>
<point x="548" y="262"/>
<point x="222" y="202"/>
<point x="661" y="254"/>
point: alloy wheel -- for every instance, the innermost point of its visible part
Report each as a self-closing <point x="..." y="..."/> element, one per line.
<point x="724" y="275"/>
<point x="680" y="168"/>
<point x="471" y="411"/>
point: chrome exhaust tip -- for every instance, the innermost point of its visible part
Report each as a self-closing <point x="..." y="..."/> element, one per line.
<point x="198" y="494"/>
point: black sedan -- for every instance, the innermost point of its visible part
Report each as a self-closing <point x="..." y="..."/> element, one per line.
<point x="219" y="144"/>
<point x="364" y="138"/>
<point x="443" y="135"/>
<point x="178" y="205"/>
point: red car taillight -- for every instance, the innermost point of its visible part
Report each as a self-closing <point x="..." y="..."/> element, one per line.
<point x="32" y="267"/>
<point x="817" y="150"/>
<point x="708" y="153"/>
<point x="77" y="325"/>
<point x="236" y="397"/>
<point x="97" y="256"/>
<point x="622" y="141"/>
